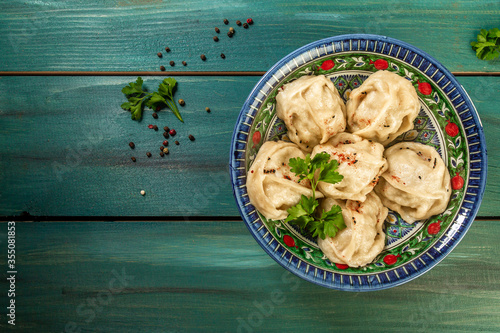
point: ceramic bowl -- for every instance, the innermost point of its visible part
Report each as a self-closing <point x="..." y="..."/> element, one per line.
<point x="411" y="249"/>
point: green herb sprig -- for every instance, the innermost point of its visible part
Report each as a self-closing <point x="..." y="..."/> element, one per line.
<point x="487" y="46"/>
<point x="304" y="214"/>
<point x="138" y="98"/>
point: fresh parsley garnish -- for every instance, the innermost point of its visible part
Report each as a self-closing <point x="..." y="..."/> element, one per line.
<point x="303" y="214"/>
<point x="138" y="98"/>
<point x="487" y="46"/>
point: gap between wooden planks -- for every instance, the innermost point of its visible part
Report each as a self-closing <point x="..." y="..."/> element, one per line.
<point x="171" y="73"/>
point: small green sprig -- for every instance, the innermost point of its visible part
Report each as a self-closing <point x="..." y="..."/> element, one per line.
<point x="138" y="98"/>
<point x="487" y="46"/>
<point x="304" y="214"/>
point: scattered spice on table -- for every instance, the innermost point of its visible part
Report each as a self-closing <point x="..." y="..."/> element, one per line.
<point x="231" y="30"/>
<point x="176" y="142"/>
<point x="207" y="109"/>
<point x="216" y="39"/>
<point x="150" y="126"/>
<point x="184" y="63"/>
<point x="167" y="49"/>
<point x="223" y="56"/>
<point x="165" y="143"/>
<point x="238" y="22"/>
<point x="165" y="135"/>
<point x="229" y="34"/>
<point x="172" y="132"/>
<point x="133" y="159"/>
<point x="172" y="63"/>
<point x="161" y="148"/>
<point x="217" y="30"/>
<point x="226" y="21"/>
<point x="148" y="154"/>
<point x="165" y="150"/>
<point x="155" y="127"/>
<point x="162" y="154"/>
<point x="249" y="21"/>
<point x="143" y="193"/>
<point x="162" y="68"/>
<point x="155" y="115"/>
<point x="245" y="25"/>
<point x="166" y="128"/>
<point x="191" y="137"/>
<point x="203" y="57"/>
<point x="159" y="55"/>
<point x="181" y="102"/>
<point x="132" y="145"/>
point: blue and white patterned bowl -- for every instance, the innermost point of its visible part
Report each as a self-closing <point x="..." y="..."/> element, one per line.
<point x="447" y="121"/>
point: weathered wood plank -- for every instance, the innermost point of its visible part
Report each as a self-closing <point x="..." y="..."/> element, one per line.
<point x="65" y="147"/>
<point x="212" y="276"/>
<point x="127" y="34"/>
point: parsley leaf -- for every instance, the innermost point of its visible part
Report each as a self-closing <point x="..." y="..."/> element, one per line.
<point x="138" y="98"/>
<point x="303" y="214"/>
<point x="487" y="46"/>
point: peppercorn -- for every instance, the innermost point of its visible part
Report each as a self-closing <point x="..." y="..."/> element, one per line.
<point x="158" y="108"/>
<point x="150" y="126"/>
<point x="148" y="154"/>
<point x="159" y="55"/>
<point x="161" y="148"/>
<point x="167" y="49"/>
<point x="155" y="127"/>
<point x="133" y="159"/>
<point x="245" y="25"/>
<point x="162" y="154"/>
<point x="165" y="150"/>
<point x="229" y="34"/>
<point x="181" y="102"/>
<point x="231" y="30"/>
<point x="172" y="63"/>
<point x="203" y="57"/>
<point x="132" y="145"/>
<point x="184" y="63"/>
<point x="191" y="137"/>
<point x="249" y="21"/>
<point x="172" y="132"/>
<point x="177" y="142"/>
<point x="226" y="21"/>
<point x="162" y="68"/>
<point x="166" y="129"/>
<point x="155" y="115"/>
<point x="223" y="56"/>
<point x="217" y="30"/>
<point x="165" y="135"/>
<point x="165" y="143"/>
<point x="238" y="22"/>
<point x="207" y="109"/>
<point x="216" y="39"/>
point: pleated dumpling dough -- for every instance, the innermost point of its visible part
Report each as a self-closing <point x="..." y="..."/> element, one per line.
<point x="363" y="238"/>
<point x="361" y="162"/>
<point x="417" y="182"/>
<point x="383" y="107"/>
<point x="312" y="110"/>
<point x="272" y="187"/>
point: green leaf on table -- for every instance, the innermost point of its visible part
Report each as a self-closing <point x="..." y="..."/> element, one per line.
<point x="487" y="46"/>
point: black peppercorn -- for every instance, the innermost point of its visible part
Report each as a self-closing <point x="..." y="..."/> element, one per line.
<point x="181" y="102"/>
<point x="207" y="109"/>
<point x="216" y="39"/>
<point x="172" y="63"/>
<point x="226" y="21"/>
<point x="155" y="115"/>
<point x="238" y="22"/>
<point x="148" y="154"/>
<point x="133" y="159"/>
<point x="155" y="127"/>
<point x="184" y="63"/>
<point x="217" y="30"/>
<point x="203" y="57"/>
<point x="161" y="148"/>
<point x="167" y="49"/>
<point x="223" y="56"/>
<point x="165" y="135"/>
<point x="159" y="55"/>
<point x="229" y="34"/>
<point x="132" y="145"/>
<point x="245" y="25"/>
<point x="162" y="68"/>
<point x="166" y="128"/>
<point x="162" y="154"/>
<point x="191" y="137"/>
<point x="177" y="142"/>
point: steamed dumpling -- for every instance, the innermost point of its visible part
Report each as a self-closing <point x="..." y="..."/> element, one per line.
<point x="417" y="182"/>
<point x="363" y="238"/>
<point x="272" y="187"/>
<point x="312" y="110"/>
<point x="382" y="108"/>
<point x="361" y="162"/>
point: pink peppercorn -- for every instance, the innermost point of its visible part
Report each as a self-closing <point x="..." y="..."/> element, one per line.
<point x="249" y="21"/>
<point x="172" y="132"/>
<point x="150" y="126"/>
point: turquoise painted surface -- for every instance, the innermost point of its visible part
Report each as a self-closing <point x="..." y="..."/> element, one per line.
<point x="123" y="35"/>
<point x="212" y="276"/>
<point x="66" y="152"/>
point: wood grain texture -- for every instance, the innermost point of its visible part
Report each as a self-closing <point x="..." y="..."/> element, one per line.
<point x="126" y="34"/>
<point x="65" y="148"/>
<point x="212" y="277"/>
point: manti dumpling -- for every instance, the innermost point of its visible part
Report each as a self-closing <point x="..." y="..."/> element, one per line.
<point x="382" y="108"/>
<point x="272" y="187"/>
<point x="361" y="162"/>
<point x="312" y="110"/>
<point x="417" y="182"/>
<point x="363" y="238"/>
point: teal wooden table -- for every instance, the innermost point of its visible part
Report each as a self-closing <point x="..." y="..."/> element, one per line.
<point x="93" y="255"/>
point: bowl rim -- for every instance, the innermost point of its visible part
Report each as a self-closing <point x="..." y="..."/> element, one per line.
<point x="470" y="216"/>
